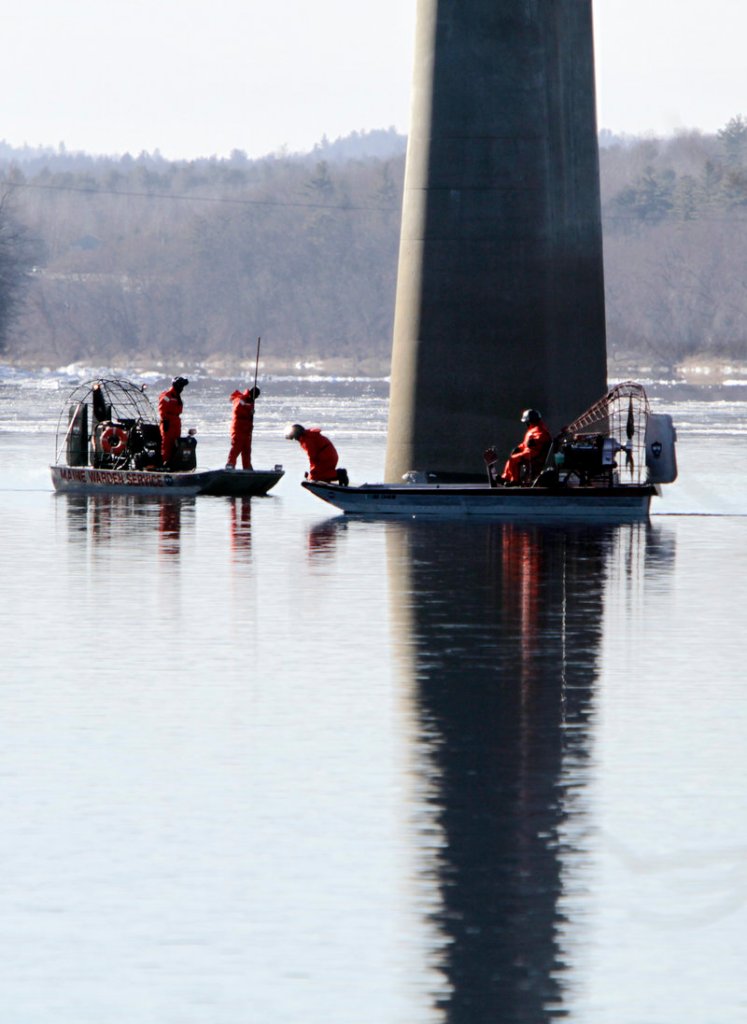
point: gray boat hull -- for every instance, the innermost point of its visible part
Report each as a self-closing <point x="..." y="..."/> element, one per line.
<point x="598" y="504"/>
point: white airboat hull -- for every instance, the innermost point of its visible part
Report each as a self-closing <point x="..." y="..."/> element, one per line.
<point x="595" y="504"/>
<point x="217" y="482"/>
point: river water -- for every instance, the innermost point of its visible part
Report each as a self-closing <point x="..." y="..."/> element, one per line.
<point x="264" y="764"/>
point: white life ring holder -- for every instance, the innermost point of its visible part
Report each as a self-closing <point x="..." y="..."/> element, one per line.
<point x="114" y="440"/>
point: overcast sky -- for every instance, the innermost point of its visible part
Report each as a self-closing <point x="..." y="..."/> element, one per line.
<point x="200" y="78"/>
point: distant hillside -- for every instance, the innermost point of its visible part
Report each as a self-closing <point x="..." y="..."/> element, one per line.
<point x="380" y="144"/>
<point x="140" y="256"/>
<point x="377" y="145"/>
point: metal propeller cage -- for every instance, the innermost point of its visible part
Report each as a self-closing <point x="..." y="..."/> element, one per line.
<point x="621" y="415"/>
<point x="120" y="400"/>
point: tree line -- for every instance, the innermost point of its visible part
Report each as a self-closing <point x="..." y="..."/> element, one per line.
<point x="110" y="259"/>
<point x="675" y="243"/>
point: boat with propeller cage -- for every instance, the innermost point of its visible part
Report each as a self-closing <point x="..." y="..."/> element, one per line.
<point x="108" y="440"/>
<point x="606" y="465"/>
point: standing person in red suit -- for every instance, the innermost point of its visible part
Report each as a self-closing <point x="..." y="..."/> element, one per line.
<point x="170" y="408"/>
<point x="242" y="425"/>
<point x="528" y="458"/>
<point x="321" y="452"/>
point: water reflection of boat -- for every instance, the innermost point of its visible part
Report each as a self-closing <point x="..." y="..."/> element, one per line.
<point x="104" y="517"/>
<point x="606" y="465"/>
<point x="108" y="440"/>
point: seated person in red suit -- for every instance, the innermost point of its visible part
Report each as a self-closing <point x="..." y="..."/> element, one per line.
<point x="528" y="458"/>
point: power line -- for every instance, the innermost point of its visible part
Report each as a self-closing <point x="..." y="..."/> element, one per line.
<point x="93" y="190"/>
<point x="188" y="198"/>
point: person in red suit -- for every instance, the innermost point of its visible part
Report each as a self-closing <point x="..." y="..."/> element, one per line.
<point x="242" y="425"/>
<point x="528" y="458"/>
<point x="170" y="408"/>
<point x="321" y="452"/>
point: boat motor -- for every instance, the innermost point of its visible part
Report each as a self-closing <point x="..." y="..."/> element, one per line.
<point x="145" y="446"/>
<point x="184" y="457"/>
<point x="588" y="456"/>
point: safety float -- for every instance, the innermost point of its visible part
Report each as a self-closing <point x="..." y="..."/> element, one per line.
<point x="108" y="440"/>
<point x="605" y="466"/>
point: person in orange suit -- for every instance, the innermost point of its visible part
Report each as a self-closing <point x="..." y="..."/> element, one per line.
<point x="528" y="458"/>
<point x="321" y="452"/>
<point x="242" y="425"/>
<point x="170" y="408"/>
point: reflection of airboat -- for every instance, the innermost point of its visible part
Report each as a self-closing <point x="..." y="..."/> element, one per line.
<point x="606" y="465"/>
<point x="108" y="439"/>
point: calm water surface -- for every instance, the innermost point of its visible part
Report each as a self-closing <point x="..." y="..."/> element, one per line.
<point x="263" y="764"/>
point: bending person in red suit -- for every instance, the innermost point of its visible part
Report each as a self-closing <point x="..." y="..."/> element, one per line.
<point x="528" y="458"/>
<point x="170" y="408"/>
<point x="321" y="452"/>
<point x="242" y="426"/>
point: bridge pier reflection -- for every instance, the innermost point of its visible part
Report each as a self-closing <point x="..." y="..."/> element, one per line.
<point x="499" y="630"/>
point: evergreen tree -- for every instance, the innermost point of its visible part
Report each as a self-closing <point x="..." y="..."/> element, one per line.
<point x="16" y="260"/>
<point x="734" y="140"/>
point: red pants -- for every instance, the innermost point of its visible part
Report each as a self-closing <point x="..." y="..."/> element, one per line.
<point x="241" y="444"/>
<point x="512" y="469"/>
<point x="171" y="431"/>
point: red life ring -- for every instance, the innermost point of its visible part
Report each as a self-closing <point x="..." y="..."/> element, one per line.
<point x="114" y="440"/>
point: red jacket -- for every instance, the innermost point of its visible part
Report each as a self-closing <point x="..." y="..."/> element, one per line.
<point x="536" y="441"/>
<point x="242" y="422"/>
<point x="532" y="450"/>
<point x="170" y="407"/>
<point x="322" y="454"/>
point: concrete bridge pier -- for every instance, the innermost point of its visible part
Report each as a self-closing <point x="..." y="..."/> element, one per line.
<point x="500" y="291"/>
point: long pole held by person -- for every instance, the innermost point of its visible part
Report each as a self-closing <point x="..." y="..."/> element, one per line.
<point x="256" y="365"/>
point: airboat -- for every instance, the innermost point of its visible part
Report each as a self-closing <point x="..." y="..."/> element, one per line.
<point x="606" y="465"/>
<point x="108" y="440"/>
